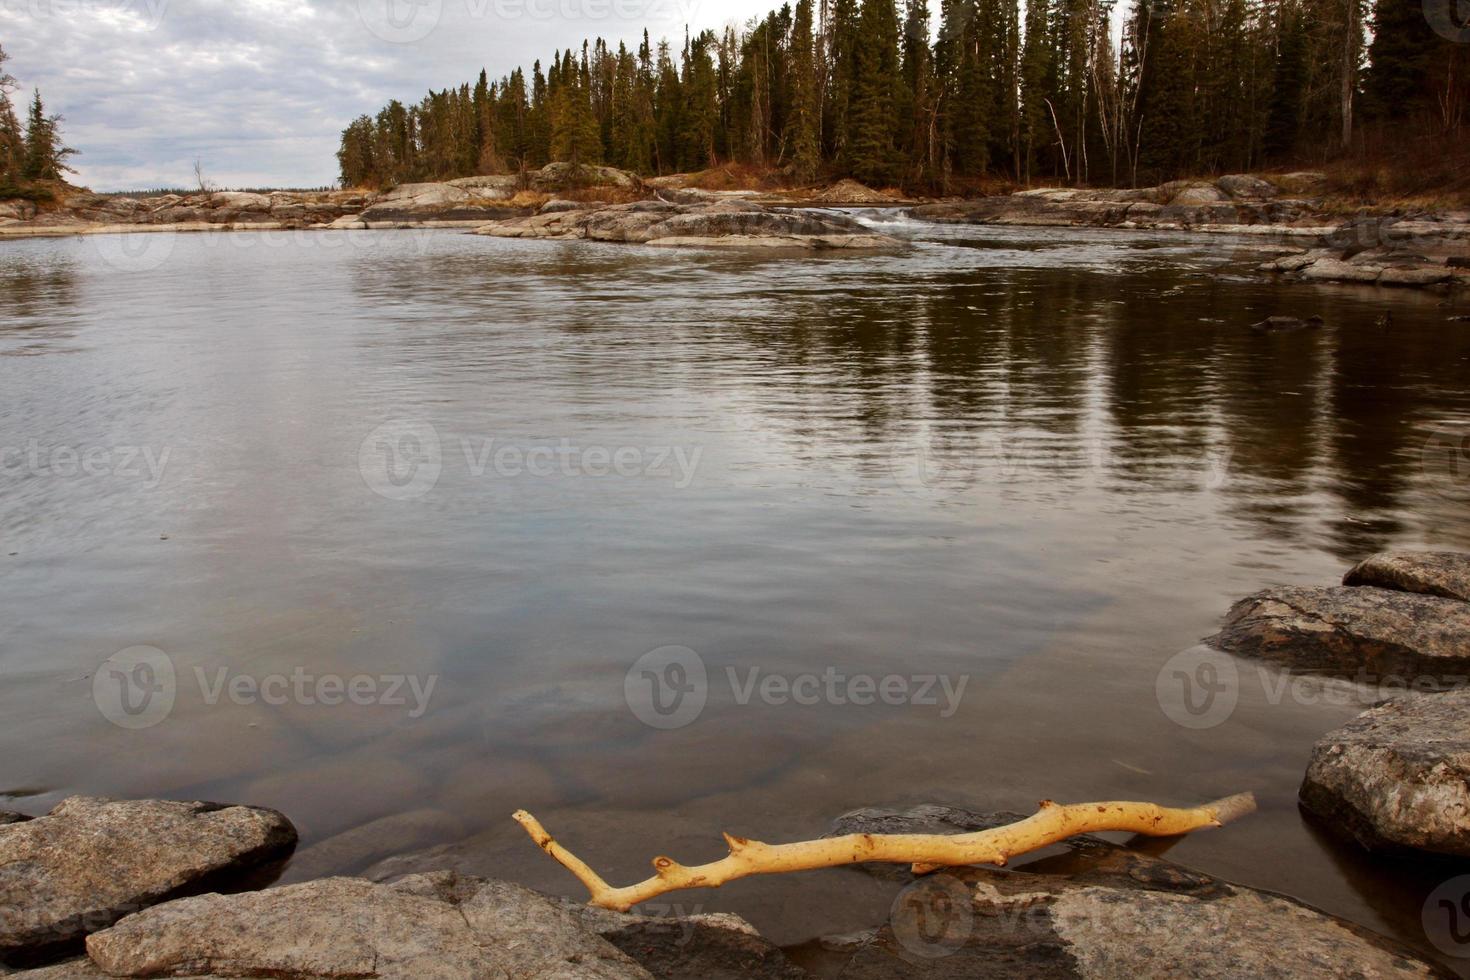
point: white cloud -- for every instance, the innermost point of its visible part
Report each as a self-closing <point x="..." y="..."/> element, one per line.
<point x="260" y="89"/>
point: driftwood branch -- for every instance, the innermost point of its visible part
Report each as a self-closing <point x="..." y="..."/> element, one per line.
<point x="925" y="852"/>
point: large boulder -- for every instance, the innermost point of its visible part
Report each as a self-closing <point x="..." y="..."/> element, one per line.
<point x="89" y="862"/>
<point x="724" y="223"/>
<point x="1115" y="913"/>
<point x="432" y="925"/>
<point x="1439" y="573"/>
<point x="1372" y="635"/>
<point x="1184" y="192"/>
<point x="561" y="176"/>
<point x="1398" y="776"/>
<point x="1246" y="187"/>
<point x="240" y="201"/>
<point x="435" y="202"/>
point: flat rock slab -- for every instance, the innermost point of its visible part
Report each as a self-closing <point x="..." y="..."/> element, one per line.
<point x="432" y="925"/>
<point x="729" y="224"/>
<point x="1439" y="573"/>
<point x="89" y="862"/>
<point x="1372" y="635"/>
<point x="1104" y="912"/>
<point x="1398" y="776"/>
<point x="716" y="946"/>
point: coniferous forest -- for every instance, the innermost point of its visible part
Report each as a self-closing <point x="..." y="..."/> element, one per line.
<point x="32" y="153"/>
<point x="1054" y="90"/>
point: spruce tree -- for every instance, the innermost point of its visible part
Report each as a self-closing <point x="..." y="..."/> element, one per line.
<point x="805" y="112"/>
<point x="45" y="154"/>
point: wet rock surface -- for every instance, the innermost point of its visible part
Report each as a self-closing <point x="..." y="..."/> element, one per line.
<point x="1398" y="776"/>
<point x="1099" y="910"/>
<point x="1234" y="202"/>
<point x="1394" y="250"/>
<point x="1364" y="633"/>
<point x="439" y="924"/>
<point x="89" y="862"/>
<point x="1438" y="573"/>
<point x="719" y="224"/>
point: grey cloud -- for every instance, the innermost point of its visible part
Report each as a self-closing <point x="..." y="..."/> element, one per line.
<point x="260" y="89"/>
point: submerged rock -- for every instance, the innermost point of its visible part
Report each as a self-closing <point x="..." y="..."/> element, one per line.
<point x="1368" y="634"/>
<point x="1398" y="775"/>
<point x="1101" y="911"/>
<point x="89" y="862"/>
<point x="1438" y="573"/>
<point x="716" y="946"/>
<point x="724" y="223"/>
<point x="1287" y="323"/>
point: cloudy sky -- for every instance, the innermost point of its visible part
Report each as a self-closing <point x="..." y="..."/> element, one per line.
<point x="259" y="90"/>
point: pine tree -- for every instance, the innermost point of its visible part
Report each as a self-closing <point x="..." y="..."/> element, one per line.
<point x="12" y="140"/>
<point x="1399" y="60"/>
<point x="1288" y="84"/>
<point x="872" y="115"/>
<point x="1036" y="73"/>
<point x="45" y="154"/>
<point x="918" y="106"/>
<point x="806" y="155"/>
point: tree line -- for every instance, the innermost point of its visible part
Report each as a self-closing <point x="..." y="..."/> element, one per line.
<point x="31" y="153"/>
<point x="865" y="88"/>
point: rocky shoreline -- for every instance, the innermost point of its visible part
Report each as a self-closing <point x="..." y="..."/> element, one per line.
<point x="1284" y="214"/>
<point x="106" y="888"/>
<point x="101" y="888"/>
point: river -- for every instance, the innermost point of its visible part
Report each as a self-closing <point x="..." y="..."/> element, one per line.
<point x="404" y="513"/>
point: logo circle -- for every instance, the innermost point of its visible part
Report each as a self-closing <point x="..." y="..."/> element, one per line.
<point x="923" y="468"/>
<point x="134" y="251"/>
<point x="1198" y="687"/>
<point x="933" y="917"/>
<point x="135" y="688"/>
<point x="1445" y="462"/>
<point x="401" y="459"/>
<point x="400" y="21"/>
<point x="666" y="688"/>
<point x="1446" y="917"/>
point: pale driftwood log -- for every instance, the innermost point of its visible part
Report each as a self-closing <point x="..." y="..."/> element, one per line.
<point x="925" y="852"/>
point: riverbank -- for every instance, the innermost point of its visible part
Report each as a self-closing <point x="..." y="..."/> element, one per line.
<point x="1304" y="234"/>
<point x="182" y="895"/>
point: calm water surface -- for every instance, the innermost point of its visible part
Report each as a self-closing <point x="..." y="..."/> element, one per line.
<point x="1037" y="463"/>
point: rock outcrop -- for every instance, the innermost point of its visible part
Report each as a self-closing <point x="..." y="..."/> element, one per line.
<point x="1235" y="203"/>
<point x="438" y="203"/>
<point x="1363" y="633"/>
<point x="1438" y="573"/>
<point x="721" y="224"/>
<point x="426" y="925"/>
<point x="1115" y="913"/>
<point x="89" y="862"/>
<point x="1422" y="250"/>
<point x="1397" y="777"/>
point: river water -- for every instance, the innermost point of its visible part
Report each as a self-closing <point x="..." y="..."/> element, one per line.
<point x="931" y="525"/>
